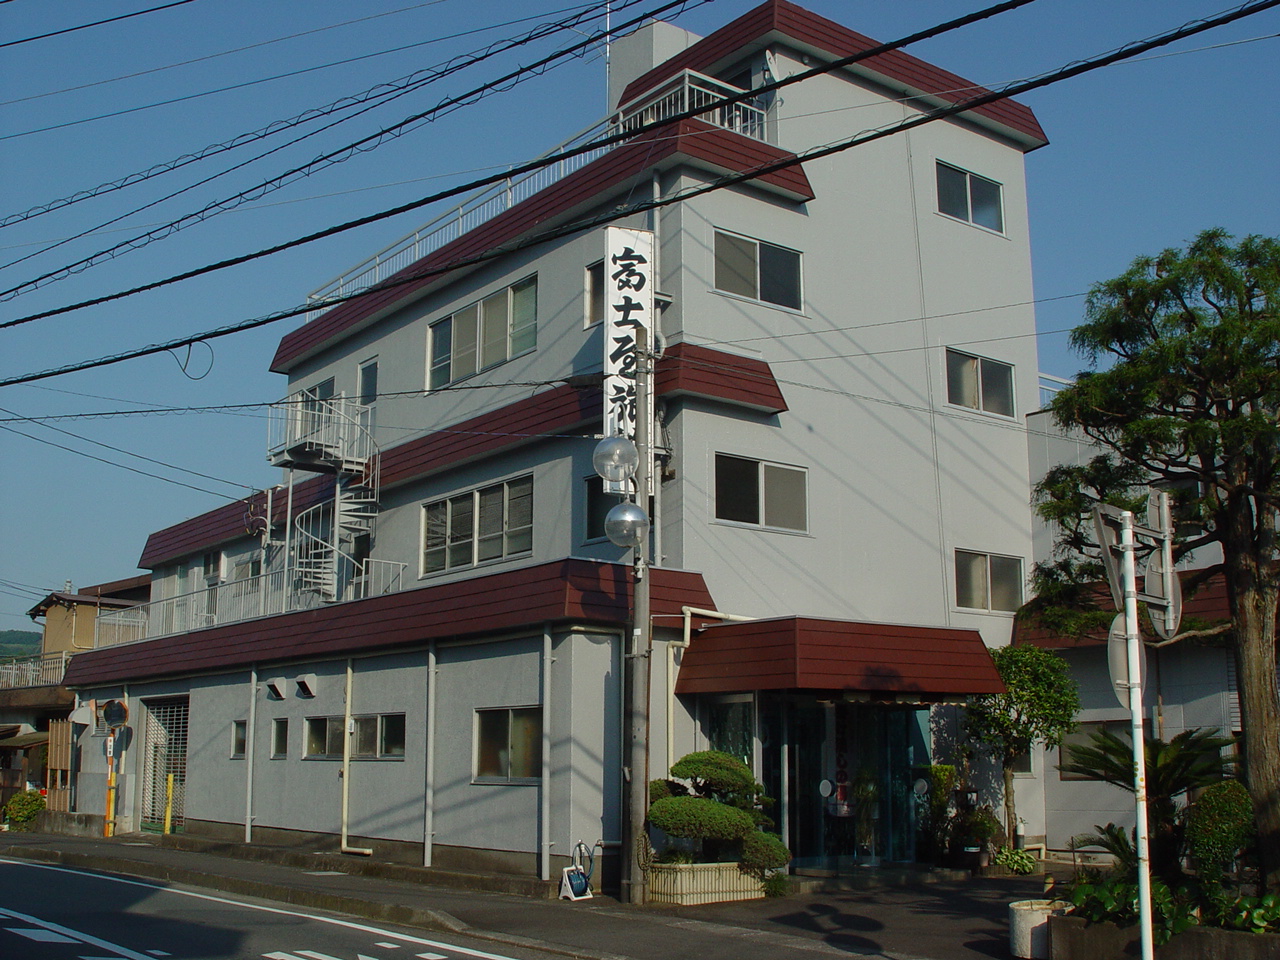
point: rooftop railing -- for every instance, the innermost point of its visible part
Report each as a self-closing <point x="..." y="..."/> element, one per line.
<point x="44" y="670"/>
<point x="688" y="90"/>
<point x="268" y="595"/>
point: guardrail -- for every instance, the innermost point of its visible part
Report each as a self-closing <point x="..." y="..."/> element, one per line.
<point x="689" y="90"/>
<point x="44" y="670"/>
<point x="268" y="595"/>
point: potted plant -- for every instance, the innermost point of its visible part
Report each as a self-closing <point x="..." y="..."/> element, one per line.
<point x="712" y="812"/>
<point x="980" y="826"/>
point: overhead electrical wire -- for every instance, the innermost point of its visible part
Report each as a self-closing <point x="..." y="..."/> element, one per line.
<point x="276" y="126"/>
<point x="343" y="153"/>
<point x="215" y="56"/>
<point x="1074" y="69"/>
<point x="432" y="74"/>
<point x="185" y="98"/>
<point x="137" y="456"/>
<point x="533" y="165"/>
<point x="96" y="23"/>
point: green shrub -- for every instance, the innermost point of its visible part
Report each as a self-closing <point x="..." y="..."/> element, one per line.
<point x="776" y="885"/>
<point x="1020" y="862"/>
<point x="1219" y="823"/>
<point x="1116" y="901"/>
<point x="22" y="808"/>
<point x="700" y="818"/>
<point x="763" y="853"/>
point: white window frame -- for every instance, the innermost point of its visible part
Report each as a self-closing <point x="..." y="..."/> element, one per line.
<point x="970" y="177"/>
<point x="756" y="297"/>
<point x="593" y="295"/>
<point x="476" y="775"/>
<point x="762" y="474"/>
<point x="513" y="339"/>
<point x="1021" y="581"/>
<point x="279" y="732"/>
<point x="379" y="722"/>
<point x="239" y="739"/>
<point x="453" y="538"/>
<point x="981" y="405"/>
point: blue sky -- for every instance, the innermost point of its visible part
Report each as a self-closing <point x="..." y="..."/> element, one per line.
<point x="1142" y="156"/>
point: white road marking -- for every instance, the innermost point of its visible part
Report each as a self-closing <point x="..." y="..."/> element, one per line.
<point x="388" y="946"/>
<point x="316" y="956"/>
<point x="76" y="936"/>
<point x="324" y="873"/>
<point x="159" y="953"/>
<point x="432" y="956"/>
<point x="41" y="935"/>
<point x="334" y="921"/>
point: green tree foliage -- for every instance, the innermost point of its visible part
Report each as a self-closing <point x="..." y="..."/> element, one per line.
<point x="718" y="802"/>
<point x="1219" y="824"/>
<point x="22" y="808"/>
<point x="1191" y="760"/>
<point x="1185" y="391"/>
<point x="1039" y="706"/>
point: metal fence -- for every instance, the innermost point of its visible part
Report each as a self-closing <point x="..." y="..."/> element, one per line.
<point x="45" y="670"/>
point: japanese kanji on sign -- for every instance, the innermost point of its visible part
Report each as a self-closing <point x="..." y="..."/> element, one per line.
<point x="628" y="284"/>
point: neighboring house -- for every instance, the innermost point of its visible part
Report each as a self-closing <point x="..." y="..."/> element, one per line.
<point x="415" y="644"/>
<point x="1188" y="684"/>
<point x="34" y="703"/>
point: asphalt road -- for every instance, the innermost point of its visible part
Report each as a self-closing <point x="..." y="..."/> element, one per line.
<point x="55" y="913"/>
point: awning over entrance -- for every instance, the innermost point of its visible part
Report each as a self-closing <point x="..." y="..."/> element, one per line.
<point x="882" y="661"/>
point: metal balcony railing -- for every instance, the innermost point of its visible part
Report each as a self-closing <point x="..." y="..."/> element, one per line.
<point x="266" y="596"/>
<point x="304" y="426"/>
<point x="689" y="90"/>
<point x="45" y="670"/>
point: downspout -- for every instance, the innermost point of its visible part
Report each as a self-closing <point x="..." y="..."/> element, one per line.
<point x="346" y="766"/>
<point x="429" y="791"/>
<point x="285" y="588"/>
<point x="544" y="787"/>
<point x="683" y="644"/>
<point x="248" y="749"/>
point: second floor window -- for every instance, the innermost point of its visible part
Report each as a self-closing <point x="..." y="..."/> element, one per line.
<point x="484" y="334"/>
<point x="985" y="581"/>
<point x="759" y="270"/>
<point x="486" y="524"/>
<point x="756" y="492"/>
<point x="979" y="383"/>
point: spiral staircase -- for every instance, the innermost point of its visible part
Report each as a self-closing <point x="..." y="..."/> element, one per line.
<point x="330" y="435"/>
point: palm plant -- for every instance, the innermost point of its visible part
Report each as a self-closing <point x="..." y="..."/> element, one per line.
<point x="1192" y="759"/>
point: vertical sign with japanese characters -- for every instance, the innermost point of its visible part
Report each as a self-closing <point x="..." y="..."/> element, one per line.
<point x="628" y="287"/>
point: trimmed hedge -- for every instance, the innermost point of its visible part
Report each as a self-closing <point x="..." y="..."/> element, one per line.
<point x="700" y="818"/>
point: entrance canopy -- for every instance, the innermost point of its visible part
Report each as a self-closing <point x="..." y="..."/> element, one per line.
<point x="890" y="662"/>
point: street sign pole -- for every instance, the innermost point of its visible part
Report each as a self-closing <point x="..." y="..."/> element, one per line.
<point x="1129" y="578"/>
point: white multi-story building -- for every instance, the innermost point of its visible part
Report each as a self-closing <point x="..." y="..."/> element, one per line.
<point x="846" y="358"/>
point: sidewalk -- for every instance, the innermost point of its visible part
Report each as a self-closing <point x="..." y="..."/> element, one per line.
<point x="938" y="921"/>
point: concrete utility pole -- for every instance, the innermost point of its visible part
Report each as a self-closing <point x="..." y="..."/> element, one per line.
<point x="638" y="649"/>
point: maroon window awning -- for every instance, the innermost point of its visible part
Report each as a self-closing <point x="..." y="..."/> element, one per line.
<point x="889" y="661"/>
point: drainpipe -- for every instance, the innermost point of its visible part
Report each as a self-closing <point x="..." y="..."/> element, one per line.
<point x="683" y="644"/>
<point x="248" y="751"/>
<point x="346" y="767"/>
<point x="544" y="788"/>
<point x="429" y="792"/>
<point x="286" y="592"/>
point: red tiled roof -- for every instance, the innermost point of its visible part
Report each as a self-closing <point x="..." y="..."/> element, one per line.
<point x="778" y="18"/>
<point x="228" y="522"/>
<point x="574" y="591"/>
<point x="691" y="140"/>
<point x="685" y="369"/>
<point x="1208" y="603"/>
<point x="802" y="653"/>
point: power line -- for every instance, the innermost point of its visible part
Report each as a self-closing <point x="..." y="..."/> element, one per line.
<point x="136" y="456"/>
<point x="270" y="129"/>
<point x="126" y="111"/>
<point x="96" y="23"/>
<point x="418" y="80"/>
<point x="215" y="56"/>
<point x="1074" y="69"/>
<point x="346" y="152"/>
<point x="531" y="165"/>
<point x="121" y="466"/>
